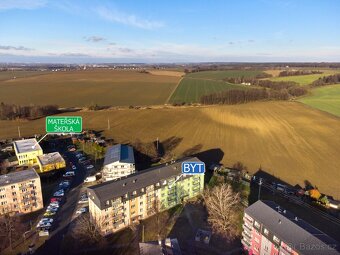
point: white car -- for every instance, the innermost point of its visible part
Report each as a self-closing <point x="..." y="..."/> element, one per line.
<point x="89" y="167"/>
<point x="45" y="220"/>
<point x="83" y="200"/>
<point x="81" y="210"/>
<point x="69" y="174"/>
<point x="54" y="204"/>
<point x="44" y="225"/>
<point x="74" y="167"/>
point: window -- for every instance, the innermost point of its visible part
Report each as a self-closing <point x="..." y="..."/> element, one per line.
<point x="134" y="193"/>
<point x="276" y="240"/>
<point x="13" y="186"/>
<point x="157" y="184"/>
<point x="266" y="232"/>
<point x="257" y="224"/>
<point x="142" y="190"/>
<point x="107" y="202"/>
<point x="141" y="203"/>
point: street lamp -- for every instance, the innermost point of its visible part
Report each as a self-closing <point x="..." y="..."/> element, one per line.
<point x="260" y="184"/>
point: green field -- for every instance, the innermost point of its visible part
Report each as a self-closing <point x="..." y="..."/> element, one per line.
<point x="11" y="75"/>
<point x="304" y="80"/>
<point x="220" y="75"/>
<point x="83" y="88"/>
<point x="190" y="90"/>
<point x="324" y="98"/>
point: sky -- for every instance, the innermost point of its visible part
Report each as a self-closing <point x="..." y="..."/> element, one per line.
<point x="169" y="31"/>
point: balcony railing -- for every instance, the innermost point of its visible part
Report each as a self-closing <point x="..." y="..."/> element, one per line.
<point x="245" y="226"/>
<point x="245" y="243"/>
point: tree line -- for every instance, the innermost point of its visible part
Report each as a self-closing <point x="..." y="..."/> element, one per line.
<point x="326" y="80"/>
<point x="298" y="72"/>
<point x="13" y="111"/>
<point x="240" y="96"/>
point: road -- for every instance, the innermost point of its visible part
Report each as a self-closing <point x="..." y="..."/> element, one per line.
<point x="52" y="245"/>
<point x="299" y="201"/>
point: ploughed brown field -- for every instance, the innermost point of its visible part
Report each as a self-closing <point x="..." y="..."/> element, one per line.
<point x="88" y="87"/>
<point x="287" y="139"/>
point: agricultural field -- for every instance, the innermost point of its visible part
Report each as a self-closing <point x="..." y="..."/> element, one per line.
<point x="325" y="98"/>
<point x="304" y="80"/>
<point x="190" y="90"/>
<point x="286" y="139"/>
<point x="84" y="88"/>
<point x="10" y="75"/>
<point x="220" y="75"/>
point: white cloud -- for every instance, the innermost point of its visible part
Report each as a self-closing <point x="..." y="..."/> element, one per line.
<point x="113" y="15"/>
<point x="94" y="38"/>
<point x="22" y="4"/>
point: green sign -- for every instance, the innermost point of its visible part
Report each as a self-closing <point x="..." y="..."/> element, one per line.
<point x="64" y="124"/>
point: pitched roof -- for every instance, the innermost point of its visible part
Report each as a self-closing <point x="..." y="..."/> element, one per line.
<point x="119" y="153"/>
<point x="26" y="145"/>
<point x="135" y="182"/>
<point x="20" y="176"/>
<point x="295" y="232"/>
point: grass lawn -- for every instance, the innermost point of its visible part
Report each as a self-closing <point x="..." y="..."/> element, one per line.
<point x="324" y="98"/>
<point x="220" y="75"/>
<point x="190" y="90"/>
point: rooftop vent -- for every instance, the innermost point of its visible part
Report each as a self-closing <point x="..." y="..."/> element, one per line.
<point x="296" y="218"/>
<point x="134" y="181"/>
<point x="280" y="222"/>
<point x="124" y="184"/>
<point x="284" y="211"/>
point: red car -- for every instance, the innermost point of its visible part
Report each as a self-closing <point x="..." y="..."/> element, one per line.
<point x="56" y="199"/>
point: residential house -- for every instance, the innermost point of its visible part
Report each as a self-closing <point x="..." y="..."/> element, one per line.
<point x="20" y="192"/>
<point x="119" y="162"/>
<point x="117" y="204"/>
<point x="269" y="229"/>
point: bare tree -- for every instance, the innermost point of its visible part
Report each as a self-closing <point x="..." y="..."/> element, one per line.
<point x="11" y="229"/>
<point x="87" y="231"/>
<point x="222" y="205"/>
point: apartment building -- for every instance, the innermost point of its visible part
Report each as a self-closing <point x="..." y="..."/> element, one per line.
<point x="20" y="192"/>
<point x="50" y="161"/>
<point x="119" y="162"/>
<point x="117" y="204"/>
<point x="27" y="151"/>
<point x="268" y="229"/>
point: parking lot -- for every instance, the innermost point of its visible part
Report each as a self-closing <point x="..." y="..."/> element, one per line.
<point x="67" y="202"/>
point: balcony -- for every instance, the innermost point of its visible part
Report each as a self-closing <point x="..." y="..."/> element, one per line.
<point x="245" y="243"/>
<point x="247" y="227"/>
<point x="247" y="235"/>
<point x="247" y="219"/>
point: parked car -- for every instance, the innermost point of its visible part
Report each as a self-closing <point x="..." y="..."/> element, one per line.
<point x="83" y="200"/>
<point x="59" y="193"/>
<point x="44" y="233"/>
<point x="44" y="225"/>
<point x="81" y="210"/>
<point x="69" y="174"/>
<point x="49" y="214"/>
<point x="89" y="167"/>
<point x="74" y="167"/>
<point x="90" y="179"/>
<point x="54" y="204"/>
<point x="45" y="220"/>
<point x="54" y="199"/>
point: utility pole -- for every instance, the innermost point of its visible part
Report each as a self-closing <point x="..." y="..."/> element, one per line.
<point x="260" y="184"/>
<point x="143" y="234"/>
